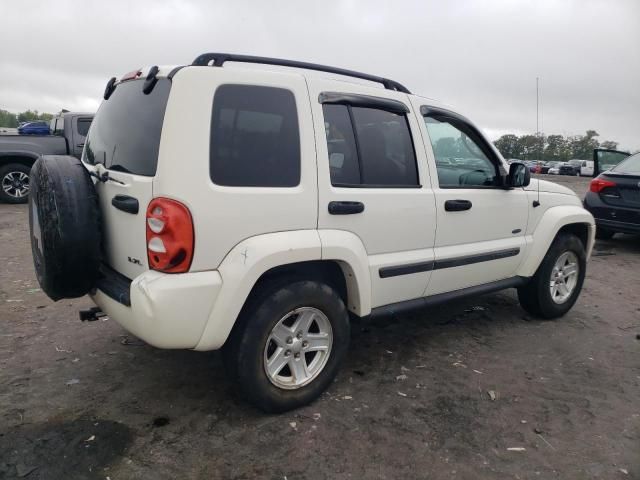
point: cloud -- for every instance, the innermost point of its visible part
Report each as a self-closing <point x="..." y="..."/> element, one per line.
<point x="481" y="56"/>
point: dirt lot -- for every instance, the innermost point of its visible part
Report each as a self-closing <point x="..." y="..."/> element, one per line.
<point x="82" y="400"/>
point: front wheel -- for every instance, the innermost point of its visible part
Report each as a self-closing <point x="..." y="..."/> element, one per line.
<point x="288" y="345"/>
<point x="557" y="283"/>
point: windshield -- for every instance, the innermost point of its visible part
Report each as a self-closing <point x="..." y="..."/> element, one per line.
<point x="125" y="134"/>
<point x="631" y="165"/>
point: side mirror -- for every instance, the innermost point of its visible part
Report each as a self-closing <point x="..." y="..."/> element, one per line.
<point x="519" y="175"/>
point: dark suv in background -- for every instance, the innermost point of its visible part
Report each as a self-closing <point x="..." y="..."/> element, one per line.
<point x="572" y="167"/>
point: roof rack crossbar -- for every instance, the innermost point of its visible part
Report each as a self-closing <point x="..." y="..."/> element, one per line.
<point x="219" y="59"/>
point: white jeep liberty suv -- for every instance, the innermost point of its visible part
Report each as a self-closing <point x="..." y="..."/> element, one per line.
<point x="255" y="209"/>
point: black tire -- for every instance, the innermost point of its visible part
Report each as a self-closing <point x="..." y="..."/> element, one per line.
<point x="604" y="234"/>
<point x="64" y="223"/>
<point x="13" y="183"/>
<point x="535" y="296"/>
<point x="244" y="351"/>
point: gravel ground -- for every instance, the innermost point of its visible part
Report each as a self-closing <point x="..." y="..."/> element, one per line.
<point x="476" y="389"/>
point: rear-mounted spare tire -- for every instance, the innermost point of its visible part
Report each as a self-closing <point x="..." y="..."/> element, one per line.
<point x="64" y="224"/>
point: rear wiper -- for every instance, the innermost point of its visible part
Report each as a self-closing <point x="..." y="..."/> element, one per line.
<point x="104" y="177"/>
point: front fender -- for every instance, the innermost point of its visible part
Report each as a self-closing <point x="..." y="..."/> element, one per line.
<point x="548" y="227"/>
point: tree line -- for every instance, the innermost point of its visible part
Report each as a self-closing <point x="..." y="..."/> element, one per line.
<point x="551" y="147"/>
<point x="524" y="147"/>
<point x="12" y="120"/>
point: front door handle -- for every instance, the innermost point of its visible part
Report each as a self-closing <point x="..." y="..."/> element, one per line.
<point x="457" y="205"/>
<point x="345" y="208"/>
<point x="125" y="203"/>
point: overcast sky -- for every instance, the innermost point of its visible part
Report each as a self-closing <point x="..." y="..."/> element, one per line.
<point x="480" y="56"/>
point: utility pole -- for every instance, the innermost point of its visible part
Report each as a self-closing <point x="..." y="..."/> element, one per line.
<point x="540" y="141"/>
<point x="537" y="108"/>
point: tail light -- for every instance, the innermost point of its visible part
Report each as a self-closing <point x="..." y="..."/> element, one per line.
<point x="598" y="184"/>
<point x="170" y="238"/>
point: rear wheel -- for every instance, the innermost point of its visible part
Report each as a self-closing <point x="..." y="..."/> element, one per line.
<point x="288" y="344"/>
<point x="556" y="285"/>
<point x="14" y="183"/>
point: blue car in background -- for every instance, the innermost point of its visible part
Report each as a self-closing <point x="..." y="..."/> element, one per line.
<point x="34" y="128"/>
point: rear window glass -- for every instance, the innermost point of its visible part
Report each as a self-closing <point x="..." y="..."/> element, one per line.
<point x="255" y="140"/>
<point x="125" y="135"/>
<point x="631" y="165"/>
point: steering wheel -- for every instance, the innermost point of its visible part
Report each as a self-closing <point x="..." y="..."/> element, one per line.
<point x="472" y="177"/>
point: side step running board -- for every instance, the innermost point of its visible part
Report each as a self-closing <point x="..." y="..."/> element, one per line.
<point x="418" y="303"/>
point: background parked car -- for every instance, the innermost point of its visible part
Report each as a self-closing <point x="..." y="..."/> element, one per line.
<point x="554" y="169"/>
<point x="34" y="128"/>
<point x="614" y="199"/>
<point x="570" y="168"/>
<point x="586" y="168"/>
<point x="547" y="165"/>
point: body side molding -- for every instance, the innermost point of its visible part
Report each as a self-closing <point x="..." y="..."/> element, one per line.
<point x="395" y="270"/>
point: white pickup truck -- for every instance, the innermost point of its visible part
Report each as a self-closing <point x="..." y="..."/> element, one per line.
<point x="257" y="210"/>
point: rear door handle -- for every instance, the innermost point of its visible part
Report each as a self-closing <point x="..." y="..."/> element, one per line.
<point x="80" y="145"/>
<point x="125" y="203"/>
<point x="345" y="208"/>
<point x="457" y="205"/>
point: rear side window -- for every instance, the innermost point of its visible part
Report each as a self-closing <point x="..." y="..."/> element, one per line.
<point x="255" y="141"/>
<point x="125" y="135"/>
<point x="369" y="147"/>
<point x="83" y="126"/>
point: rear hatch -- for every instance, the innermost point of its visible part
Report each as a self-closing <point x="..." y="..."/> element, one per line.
<point x="122" y="147"/>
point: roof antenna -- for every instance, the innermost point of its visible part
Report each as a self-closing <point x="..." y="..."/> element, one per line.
<point x="536" y="203"/>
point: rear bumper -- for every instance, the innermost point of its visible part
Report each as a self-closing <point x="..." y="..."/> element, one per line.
<point x="164" y="310"/>
<point x="611" y="217"/>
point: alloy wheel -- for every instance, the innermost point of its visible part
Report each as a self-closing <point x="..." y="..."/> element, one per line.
<point x="298" y="348"/>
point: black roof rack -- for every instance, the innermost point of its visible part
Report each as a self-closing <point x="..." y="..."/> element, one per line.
<point x="219" y="59"/>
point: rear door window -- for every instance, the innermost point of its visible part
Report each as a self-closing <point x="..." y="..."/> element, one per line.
<point x="126" y="130"/>
<point x="369" y="147"/>
<point x="83" y="126"/>
<point x="255" y="141"/>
